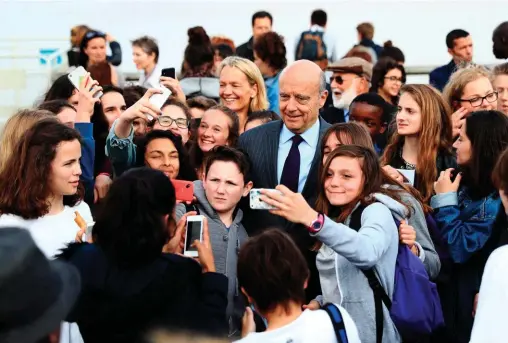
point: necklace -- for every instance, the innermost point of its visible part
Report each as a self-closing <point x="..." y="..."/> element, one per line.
<point x="407" y="165"/>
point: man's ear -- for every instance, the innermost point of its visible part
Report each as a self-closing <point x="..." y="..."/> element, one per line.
<point x="383" y="128"/>
<point x="247" y="188"/>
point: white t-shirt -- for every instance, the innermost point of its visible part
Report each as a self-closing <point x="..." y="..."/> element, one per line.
<point x="51" y="233"/>
<point x="490" y="321"/>
<point x="310" y="327"/>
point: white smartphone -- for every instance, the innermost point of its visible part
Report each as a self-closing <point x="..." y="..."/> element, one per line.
<point x="159" y="99"/>
<point x="194" y="232"/>
<point x="256" y="203"/>
<point x="88" y="232"/>
<point x="76" y="76"/>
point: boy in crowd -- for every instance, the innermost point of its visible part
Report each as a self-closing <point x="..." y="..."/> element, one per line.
<point x="373" y="111"/>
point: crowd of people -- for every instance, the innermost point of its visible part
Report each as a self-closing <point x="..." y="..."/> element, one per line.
<point x="384" y="203"/>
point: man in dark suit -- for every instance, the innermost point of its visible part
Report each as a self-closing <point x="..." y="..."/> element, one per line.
<point x="460" y="46"/>
<point x="287" y="152"/>
<point x="261" y="23"/>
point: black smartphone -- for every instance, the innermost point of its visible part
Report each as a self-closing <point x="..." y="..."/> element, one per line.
<point x="169" y="72"/>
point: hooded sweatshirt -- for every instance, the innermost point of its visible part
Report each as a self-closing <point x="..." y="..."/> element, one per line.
<point x="345" y="252"/>
<point x="226" y="243"/>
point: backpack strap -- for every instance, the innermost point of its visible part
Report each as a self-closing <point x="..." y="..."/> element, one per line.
<point x="379" y="292"/>
<point x="337" y="322"/>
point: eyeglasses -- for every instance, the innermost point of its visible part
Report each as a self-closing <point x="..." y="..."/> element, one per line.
<point x="166" y="121"/>
<point x="394" y="79"/>
<point x="340" y="80"/>
<point x="478" y="101"/>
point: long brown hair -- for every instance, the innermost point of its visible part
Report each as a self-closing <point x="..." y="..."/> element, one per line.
<point x="24" y="184"/>
<point x="357" y="134"/>
<point x="375" y="180"/>
<point x="435" y="135"/>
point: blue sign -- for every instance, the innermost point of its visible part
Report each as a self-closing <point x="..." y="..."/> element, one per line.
<point x="48" y="52"/>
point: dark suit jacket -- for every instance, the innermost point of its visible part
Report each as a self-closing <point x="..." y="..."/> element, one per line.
<point x="333" y="115"/>
<point x="439" y="77"/>
<point x="245" y="50"/>
<point x="262" y="146"/>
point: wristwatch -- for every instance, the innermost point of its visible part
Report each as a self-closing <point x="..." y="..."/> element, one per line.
<point x="317" y="224"/>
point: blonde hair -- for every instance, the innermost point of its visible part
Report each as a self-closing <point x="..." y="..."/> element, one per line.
<point x="251" y="71"/>
<point x="460" y="79"/>
<point x="15" y="128"/>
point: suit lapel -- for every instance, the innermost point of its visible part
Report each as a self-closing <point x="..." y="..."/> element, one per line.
<point x="272" y="150"/>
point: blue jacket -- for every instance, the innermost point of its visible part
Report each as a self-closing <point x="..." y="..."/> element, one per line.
<point x="471" y="229"/>
<point x="439" y="77"/>
<point x="87" y="159"/>
<point x="272" y="91"/>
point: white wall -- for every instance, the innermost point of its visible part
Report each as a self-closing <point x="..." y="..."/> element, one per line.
<point x="417" y="27"/>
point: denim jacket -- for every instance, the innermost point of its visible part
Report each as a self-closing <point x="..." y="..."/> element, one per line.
<point x="471" y="230"/>
<point x="466" y="224"/>
<point x="121" y="151"/>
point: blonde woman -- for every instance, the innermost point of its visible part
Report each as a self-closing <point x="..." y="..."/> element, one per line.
<point x="500" y="83"/>
<point x="469" y="89"/>
<point x="242" y="88"/>
<point x="15" y="128"/>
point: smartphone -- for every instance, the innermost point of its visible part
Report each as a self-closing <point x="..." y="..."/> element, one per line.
<point x="194" y="232"/>
<point x="88" y="232"/>
<point x="256" y="203"/>
<point x="184" y="190"/>
<point x="77" y="75"/>
<point x="169" y="72"/>
<point x="160" y="98"/>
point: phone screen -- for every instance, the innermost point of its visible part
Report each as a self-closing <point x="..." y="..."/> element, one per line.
<point x="193" y="233"/>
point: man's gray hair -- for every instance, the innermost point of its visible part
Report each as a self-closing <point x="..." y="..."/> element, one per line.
<point x="322" y="82"/>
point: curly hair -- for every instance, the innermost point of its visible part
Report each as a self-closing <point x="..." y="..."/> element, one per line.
<point x="24" y="186"/>
<point x="270" y="49"/>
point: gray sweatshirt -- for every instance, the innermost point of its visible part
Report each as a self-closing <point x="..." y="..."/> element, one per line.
<point x="226" y="243"/>
<point x="428" y="254"/>
<point x="345" y="252"/>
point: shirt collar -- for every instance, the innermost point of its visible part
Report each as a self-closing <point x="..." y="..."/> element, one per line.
<point x="311" y="136"/>
<point x="317" y="28"/>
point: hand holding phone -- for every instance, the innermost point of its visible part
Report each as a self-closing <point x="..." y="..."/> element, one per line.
<point x="78" y="76"/>
<point x="256" y="203"/>
<point x="184" y="190"/>
<point x="193" y="233"/>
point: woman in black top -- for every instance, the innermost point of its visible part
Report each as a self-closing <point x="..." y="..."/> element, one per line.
<point x="132" y="280"/>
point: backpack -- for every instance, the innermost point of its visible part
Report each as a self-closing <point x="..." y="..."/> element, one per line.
<point x="337" y="322"/>
<point x="311" y="46"/>
<point x="415" y="308"/>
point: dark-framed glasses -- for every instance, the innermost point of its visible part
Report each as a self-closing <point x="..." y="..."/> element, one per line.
<point x="166" y="121"/>
<point x="394" y="79"/>
<point x="478" y="101"/>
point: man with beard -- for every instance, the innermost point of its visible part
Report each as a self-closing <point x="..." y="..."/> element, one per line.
<point x="351" y="77"/>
